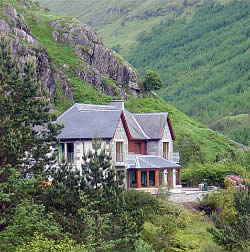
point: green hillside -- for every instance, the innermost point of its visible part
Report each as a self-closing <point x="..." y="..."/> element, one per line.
<point x="236" y="127"/>
<point x="204" y="62"/>
<point x="120" y="22"/>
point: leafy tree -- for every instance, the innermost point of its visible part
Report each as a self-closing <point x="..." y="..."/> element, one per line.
<point x="26" y="129"/>
<point x="42" y="244"/>
<point x="27" y="218"/>
<point x="190" y="150"/>
<point x="152" y="80"/>
<point x="20" y="215"/>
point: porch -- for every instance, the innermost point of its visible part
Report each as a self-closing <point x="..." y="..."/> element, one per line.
<point x="153" y="178"/>
<point x="145" y="171"/>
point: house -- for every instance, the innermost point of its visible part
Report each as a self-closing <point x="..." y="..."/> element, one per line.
<point x="141" y="145"/>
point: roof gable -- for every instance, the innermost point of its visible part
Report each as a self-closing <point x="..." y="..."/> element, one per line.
<point x="153" y="124"/>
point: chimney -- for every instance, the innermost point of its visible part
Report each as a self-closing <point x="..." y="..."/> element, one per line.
<point x="118" y="104"/>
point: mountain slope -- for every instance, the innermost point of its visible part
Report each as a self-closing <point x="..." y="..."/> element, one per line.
<point x="71" y="60"/>
<point x="120" y="22"/>
<point x="203" y="61"/>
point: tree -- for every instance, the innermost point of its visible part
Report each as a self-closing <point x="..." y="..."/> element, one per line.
<point x="27" y="133"/>
<point x="27" y="136"/>
<point x="104" y="199"/>
<point x="91" y="206"/>
<point x="152" y="80"/>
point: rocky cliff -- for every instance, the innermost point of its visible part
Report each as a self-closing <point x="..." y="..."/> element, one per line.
<point x="87" y="60"/>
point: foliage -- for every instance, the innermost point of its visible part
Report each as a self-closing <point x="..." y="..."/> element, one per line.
<point x="92" y="207"/>
<point x="215" y="173"/>
<point x="176" y="229"/>
<point x="190" y="150"/>
<point x="42" y="244"/>
<point x="203" y="61"/>
<point x="27" y="218"/>
<point x="152" y="81"/>
<point x="231" y="215"/>
<point x="20" y="215"/>
<point x="140" y="206"/>
<point x="26" y="130"/>
<point x="147" y="203"/>
<point x="220" y="203"/>
<point x="104" y="202"/>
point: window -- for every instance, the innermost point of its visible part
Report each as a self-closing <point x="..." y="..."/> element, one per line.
<point x="165" y="150"/>
<point x="61" y="152"/>
<point x="119" y="151"/>
<point x="151" y="178"/>
<point x="137" y="148"/>
<point x="132" y="179"/>
<point x="144" y="179"/>
<point x="70" y="152"/>
<point x="83" y="148"/>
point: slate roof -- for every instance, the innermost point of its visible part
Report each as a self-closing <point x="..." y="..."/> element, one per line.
<point x="150" y="162"/>
<point x="135" y="128"/>
<point x="153" y="124"/>
<point x="86" y="121"/>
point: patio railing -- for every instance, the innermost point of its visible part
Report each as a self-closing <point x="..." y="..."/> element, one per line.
<point x="174" y="157"/>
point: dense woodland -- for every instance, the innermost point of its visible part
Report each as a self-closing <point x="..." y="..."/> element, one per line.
<point x="204" y="62"/>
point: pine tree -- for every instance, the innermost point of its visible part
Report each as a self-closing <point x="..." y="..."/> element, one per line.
<point x="27" y="133"/>
<point x="104" y="203"/>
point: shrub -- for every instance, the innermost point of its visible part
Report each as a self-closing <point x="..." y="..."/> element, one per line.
<point x="42" y="244"/>
<point x="215" y="173"/>
<point x="147" y="203"/>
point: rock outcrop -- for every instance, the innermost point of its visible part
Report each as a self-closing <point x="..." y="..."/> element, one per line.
<point x="98" y="61"/>
<point x="25" y="46"/>
<point x="97" y="66"/>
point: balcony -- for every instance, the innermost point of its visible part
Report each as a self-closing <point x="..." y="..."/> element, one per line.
<point x="174" y="157"/>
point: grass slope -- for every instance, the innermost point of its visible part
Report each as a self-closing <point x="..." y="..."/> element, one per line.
<point x="203" y="61"/>
<point x="210" y="142"/>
